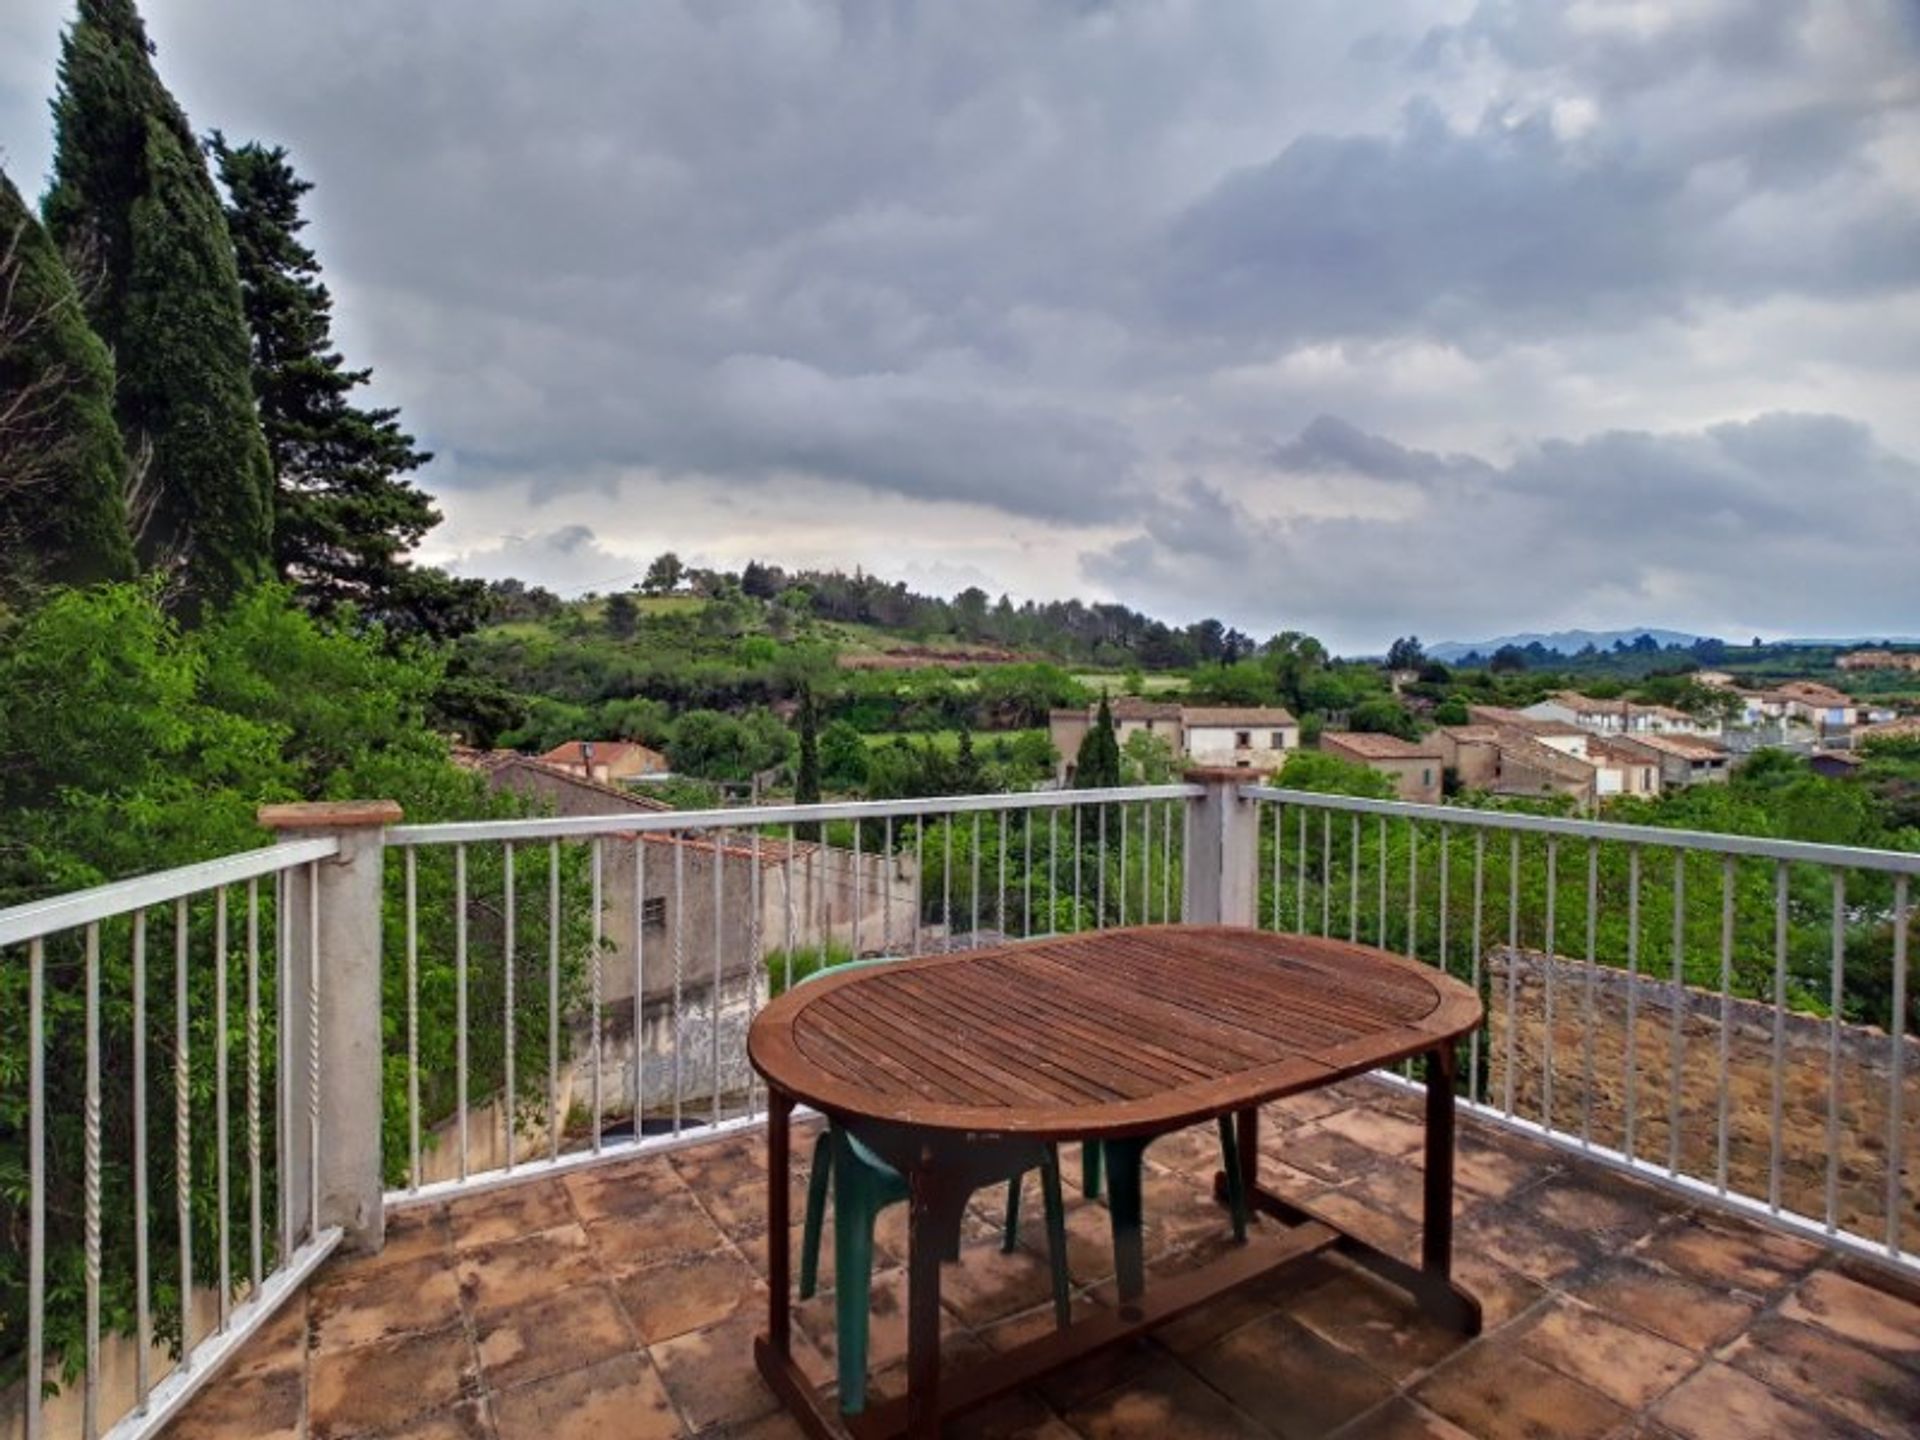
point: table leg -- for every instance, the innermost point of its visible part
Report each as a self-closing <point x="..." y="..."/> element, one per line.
<point x="779" y="1230"/>
<point x="1124" y="1159"/>
<point x="938" y="1198"/>
<point x="1436" y="1241"/>
<point x="1247" y="1139"/>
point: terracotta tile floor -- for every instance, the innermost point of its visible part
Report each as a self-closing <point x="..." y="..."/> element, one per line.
<point x="622" y="1301"/>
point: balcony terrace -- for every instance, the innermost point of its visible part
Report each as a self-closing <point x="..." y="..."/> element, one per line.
<point x="1685" y="1169"/>
<point x="622" y="1300"/>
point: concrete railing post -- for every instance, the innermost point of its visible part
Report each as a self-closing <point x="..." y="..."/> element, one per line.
<point x="336" y="920"/>
<point x="1222" y="850"/>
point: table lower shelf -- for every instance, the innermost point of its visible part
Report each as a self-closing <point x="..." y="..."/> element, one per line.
<point x="1265" y="1253"/>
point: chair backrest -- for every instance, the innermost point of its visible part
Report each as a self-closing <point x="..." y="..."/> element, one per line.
<point x="865" y="964"/>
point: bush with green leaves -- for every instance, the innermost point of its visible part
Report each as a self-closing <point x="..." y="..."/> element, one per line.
<point x="129" y="745"/>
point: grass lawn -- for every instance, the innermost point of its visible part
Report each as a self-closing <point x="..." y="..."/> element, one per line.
<point x="1113" y="682"/>
<point x="946" y="741"/>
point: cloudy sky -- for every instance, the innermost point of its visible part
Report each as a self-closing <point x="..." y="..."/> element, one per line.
<point x="1447" y="318"/>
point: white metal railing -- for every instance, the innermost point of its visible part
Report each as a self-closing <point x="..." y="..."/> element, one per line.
<point x="87" y="1010"/>
<point x="1746" y="1043"/>
<point x="604" y="969"/>
<point x="561" y="992"/>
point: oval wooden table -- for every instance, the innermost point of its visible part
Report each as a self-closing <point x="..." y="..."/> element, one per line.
<point x="960" y="1068"/>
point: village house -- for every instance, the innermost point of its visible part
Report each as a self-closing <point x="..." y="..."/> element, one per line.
<point x="1245" y="738"/>
<point x="1620" y="717"/>
<point x="607" y="761"/>
<point x="1511" y="752"/>
<point x="1682" y="759"/>
<point x="1879" y="660"/>
<point x="666" y="923"/>
<point x="1415" y="768"/>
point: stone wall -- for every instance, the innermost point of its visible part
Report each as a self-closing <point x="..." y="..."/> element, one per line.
<point x="1590" y="1036"/>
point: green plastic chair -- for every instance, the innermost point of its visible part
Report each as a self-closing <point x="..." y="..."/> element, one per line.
<point x="863" y="1185"/>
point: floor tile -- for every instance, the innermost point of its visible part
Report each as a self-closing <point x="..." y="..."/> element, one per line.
<point x="351" y="1306"/>
<point x="711" y="1376"/>
<point x="1720" y="1403"/>
<point x="1297" y="1383"/>
<point x="1670" y="1305"/>
<point x="1401" y="1419"/>
<point x="509" y="1213"/>
<point x="620" y="1396"/>
<point x="1377" y="1323"/>
<point x="1162" y="1401"/>
<point x="1622" y="1362"/>
<point x="508" y="1274"/>
<point x="1829" y="1373"/>
<point x="1729" y="1254"/>
<point x="1858" y="1312"/>
<point x="266" y="1406"/>
<point x="689" y="1292"/>
<point x="1497" y="1395"/>
<point x="385" y="1384"/>
<point x="672" y="1225"/>
<point x="557" y="1333"/>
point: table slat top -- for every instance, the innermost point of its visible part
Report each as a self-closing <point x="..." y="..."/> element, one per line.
<point x="1108" y="1032"/>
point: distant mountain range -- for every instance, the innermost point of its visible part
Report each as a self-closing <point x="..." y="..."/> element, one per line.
<point x="1572" y="642"/>
<point x="1565" y="642"/>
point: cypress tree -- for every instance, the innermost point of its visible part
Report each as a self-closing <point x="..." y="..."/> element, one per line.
<point x="806" y="780"/>
<point x="63" y="472"/>
<point x="344" y="515"/>
<point x="1097" y="765"/>
<point x="134" y="208"/>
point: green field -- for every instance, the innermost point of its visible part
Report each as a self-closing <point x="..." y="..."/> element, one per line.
<point x="947" y="742"/>
<point x="1114" y="683"/>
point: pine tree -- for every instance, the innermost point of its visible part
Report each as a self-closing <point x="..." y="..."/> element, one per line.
<point x="344" y="515"/>
<point x="135" y="211"/>
<point x="63" y="471"/>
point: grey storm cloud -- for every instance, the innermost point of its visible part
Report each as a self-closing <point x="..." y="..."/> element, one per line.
<point x="1045" y="279"/>
<point x="1746" y="516"/>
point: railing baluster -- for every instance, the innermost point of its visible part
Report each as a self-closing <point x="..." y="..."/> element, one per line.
<point x="1726" y="1022"/>
<point x="859" y="890"/>
<point x="1326" y="873"/>
<point x="1353" y="882"/>
<point x="1413" y="890"/>
<point x="411" y="868"/>
<point x="1146" y="862"/>
<point x="1123" y="864"/>
<point x="556" y="1119"/>
<point x="1300" y="875"/>
<point x="640" y="986"/>
<point x="1836" y="1007"/>
<point x="1381" y="915"/>
<point x="1513" y="967"/>
<point x="509" y="963"/>
<point x="313" y="1049"/>
<point x="1166" y="863"/>
<point x="1632" y="1078"/>
<point x="90" y="1194"/>
<point x="183" y="1127"/>
<point x="1777" y="1112"/>
<point x="973" y="888"/>
<point x="1078" y="828"/>
<point x="142" y="1273"/>
<point x="1677" y="1003"/>
<point x="36" y="1184"/>
<point x="1592" y="977"/>
<point x="1550" y="967"/>
<point x="946" y="880"/>
<point x="678" y="840"/>
<point x="460" y="1000"/>
<point x="1279" y="813"/>
<point x="596" y="981"/>
<point x="1053" y="870"/>
<point x="1000" y="891"/>
<point x="1100" y="878"/>
<point x="223" y="1304"/>
<point x="720" y="847"/>
<point x="1479" y="914"/>
<point x="886" y="891"/>
<point x="1026" y="879"/>
<point x="1897" y="1078"/>
<point x="756" y="960"/>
